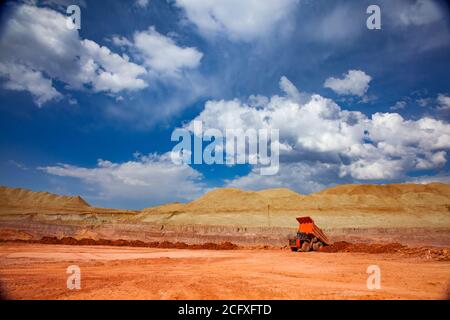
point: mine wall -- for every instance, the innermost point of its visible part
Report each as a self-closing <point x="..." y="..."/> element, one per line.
<point x="198" y="234"/>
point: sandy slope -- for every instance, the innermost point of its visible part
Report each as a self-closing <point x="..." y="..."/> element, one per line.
<point x="358" y="206"/>
<point x="39" y="272"/>
<point x="17" y="197"/>
<point x="17" y="201"/>
<point x="398" y="197"/>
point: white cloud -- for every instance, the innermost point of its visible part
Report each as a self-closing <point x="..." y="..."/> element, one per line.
<point x="322" y="145"/>
<point x="21" y="78"/>
<point x="238" y="20"/>
<point x="354" y="82"/>
<point x="161" y="54"/>
<point x="303" y="177"/>
<point x="288" y="87"/>
<point x="153" y="177"/>
<point x="417" y="25"/>
<point x="398" y="105"/>
<point x="444" y="102"/>
<point x="60" y="54"/>
<point x="121" y="41"/>
<point x="382" y="146"/>
<point x="113" y="72"/>
<point x="420" y="13"/>
<point x="443" y="178"/>
<point x="58" y="4"/>
<point x="142" y="3"/>
<point x="82" y="64"/>
<point x="334" y="26"/>
<point x="368" y="169"/>
<point x="423" y="102"/>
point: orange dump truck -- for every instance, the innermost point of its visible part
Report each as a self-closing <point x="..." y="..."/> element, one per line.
<point x="309" y="236"/>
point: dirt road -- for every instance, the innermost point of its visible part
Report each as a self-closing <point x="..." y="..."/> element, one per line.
<point x="35" y="271"/>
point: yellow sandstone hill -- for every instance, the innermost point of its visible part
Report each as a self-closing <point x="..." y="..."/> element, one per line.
<point x="13" y="197"/>
<point x="395" y="197"/>
<point x="412" y="205"/>
<point x="17" y="201"/>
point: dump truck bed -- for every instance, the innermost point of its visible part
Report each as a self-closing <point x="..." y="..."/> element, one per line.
<point x="307" y="225"/>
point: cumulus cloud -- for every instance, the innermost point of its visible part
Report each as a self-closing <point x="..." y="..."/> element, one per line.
<point x="384" y="146"/>
<point x="82" y="64"/>
<point x="238" y="20"/>
<point x="160" y="53"/>
<point x="354" y="82"/>
<point x="153" y="177"/>
<point x="21" y="78"/>
<point x="112" y="72"/>
<point x="291" y="91"/>
<point x="59" y="53"/>
<point x="321" y="144"/>
<point x="303" y="177"/>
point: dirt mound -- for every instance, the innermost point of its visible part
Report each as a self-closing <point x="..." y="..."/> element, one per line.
<point x="130" y="243"/>
<point x="441" y="254"/>
<point x="344" y="246"/>
<point x="28" y="198"/>
<point x="228" y="199"/>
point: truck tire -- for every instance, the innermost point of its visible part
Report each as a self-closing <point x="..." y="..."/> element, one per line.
<point x="306" y="246"/>
<point x="294" y="249"/>
<point x="316" y="246"/>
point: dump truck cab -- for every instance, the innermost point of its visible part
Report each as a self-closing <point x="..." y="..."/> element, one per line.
<point x="309" y="236"/>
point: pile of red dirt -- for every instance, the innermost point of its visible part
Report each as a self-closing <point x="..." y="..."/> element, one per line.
<point x="441" y="254"/>
<point x="343" y="246"/>
<point x="131" y="243"/>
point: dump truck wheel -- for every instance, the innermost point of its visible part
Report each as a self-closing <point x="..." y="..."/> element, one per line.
<point x="294" y="249"/>
<point x="317" y="246"/>
<point x="306" y="246"/>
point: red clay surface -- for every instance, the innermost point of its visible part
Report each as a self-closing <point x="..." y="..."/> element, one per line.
<point x="38" y="271"/>
<point x="442" y="254"/>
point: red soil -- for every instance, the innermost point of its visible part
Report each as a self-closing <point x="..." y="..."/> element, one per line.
<point x="434" y="253"/>
<point x="442" y="254"/>
<point x="344" y="246"/>
<point x="36" y="271"/>
<point x="132" y="243"/>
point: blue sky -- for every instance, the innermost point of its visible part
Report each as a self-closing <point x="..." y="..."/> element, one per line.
<point x="91" y="111"/>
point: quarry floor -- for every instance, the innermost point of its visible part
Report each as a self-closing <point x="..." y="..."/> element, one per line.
<point x="38" y="271"/>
